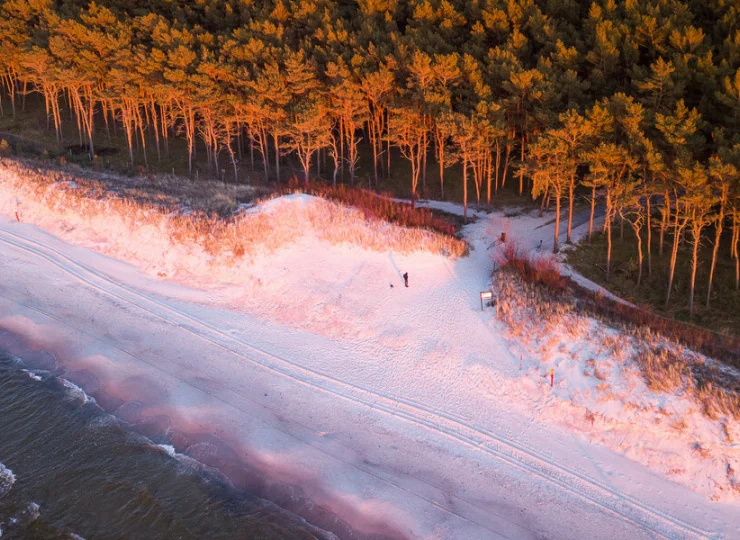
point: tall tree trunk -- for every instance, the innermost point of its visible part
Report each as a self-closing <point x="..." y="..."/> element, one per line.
<point x="694" y="264"/>
<point x="489" y="177"/>
<point x="608" y="247"/>
<point x="571" y="189"/>
<point x="342" y="136"/>
<point x="374" y="144"/>
<point x="591" y="217"/>
<point x="465" y="189"/>
<point x="140" y="123"/>
<point x="545" y="195"/>
<point x="127" y="121"/>
<point x="336" y="171"/>
<point x="387" y="150"/>
<point x="11" y="83"/>
<point x="521" y="171"/>
<point x="155" y="123"/>
<point x="441" y="161"/>
<point x="555" y="243"/>
<point x="498" y="163"/>
<point x="735" y="245"/>
<point x="639" y="255"/>
<point x="665" y="218"/>
<point x="677" y="230"/>
<point x="649" y="237"/>
<point x="104" y="107"/>
<point x="425" y="151"/>
<point x="507" y="160"/>
<point x="276" y="141"/>
<point x="608" y="225"/>
<point x="715" y="249"/>
<point x="165" y="131"/>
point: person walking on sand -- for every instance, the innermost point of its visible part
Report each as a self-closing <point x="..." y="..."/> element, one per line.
<point x="406" y="279"/>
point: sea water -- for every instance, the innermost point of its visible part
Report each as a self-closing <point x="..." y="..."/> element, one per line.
<point x="69" y="470"/>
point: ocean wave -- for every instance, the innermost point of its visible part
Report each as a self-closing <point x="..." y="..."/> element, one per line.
<point x="36" y="374"/>
<point x="187" y="465"/>
<point x="7" y="479"/>
<point x="31" y="513"/>
<point x="103" y="421"/>
<point x="167" y="449"/>
<point x="14" y="360"/>
<point x="76" y="392"/>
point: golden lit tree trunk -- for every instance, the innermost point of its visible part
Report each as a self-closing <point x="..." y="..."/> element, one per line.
<point x="735" y="244"/>
<point x="678" y="226"/>
<point x="571" y="189"/>
<point x="696" y="228"/>
<point x="489" y="176"/>
<point x="556" y="239"/>
<point x="610" y="210"/>
<point x="155" y="125"/>
<point x="719" y="223"/>
<point x="639" y="253"/>
<point x="665" y="219"/>
<point x="648" y="215"/>
<point x="465" y="188"/>
<point x="591" y="217"/>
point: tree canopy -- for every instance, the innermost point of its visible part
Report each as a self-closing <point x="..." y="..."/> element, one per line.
<point x="635" y="103"/>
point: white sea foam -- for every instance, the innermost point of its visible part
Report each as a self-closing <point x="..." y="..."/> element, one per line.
<point x="32" y="512"/>
<point x="7" y="479"/>
<point x="189" y="465"/>
<point x="77" y="392"/>
<point x="103" y="421"/>
<point x="168" y="449"/>
<point x="35" y="374"/>
<point x="27" y="515"/>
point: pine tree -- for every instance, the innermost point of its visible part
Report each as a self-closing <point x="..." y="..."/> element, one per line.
<point x="725" y="175"/>
<point x="549" y="168"/>
<point x="611" y="165"/>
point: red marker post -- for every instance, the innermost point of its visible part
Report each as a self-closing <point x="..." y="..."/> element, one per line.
<point x="552" y="377"/>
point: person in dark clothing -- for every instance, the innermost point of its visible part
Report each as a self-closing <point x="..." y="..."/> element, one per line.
<point x="406" y="279"/>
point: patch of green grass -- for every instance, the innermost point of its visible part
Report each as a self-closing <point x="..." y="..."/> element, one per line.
<point x="723" y="315"/>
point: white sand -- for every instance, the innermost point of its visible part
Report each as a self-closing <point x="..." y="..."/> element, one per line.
<point x="401" y="411"/>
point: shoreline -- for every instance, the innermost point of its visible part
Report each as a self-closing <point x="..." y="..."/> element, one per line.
<point x="113" y="437"/>
<point x="161" y="434"/>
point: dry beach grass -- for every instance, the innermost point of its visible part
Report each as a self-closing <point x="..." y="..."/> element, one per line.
<point x="534" y="286"/>
<point x="202" y="233"/>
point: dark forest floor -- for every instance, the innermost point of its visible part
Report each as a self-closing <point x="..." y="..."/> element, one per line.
<point x="722" y="316"/>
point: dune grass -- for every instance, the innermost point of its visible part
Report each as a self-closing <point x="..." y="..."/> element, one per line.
<point x="527" y="284"/>
<point x="204" y="236"/>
